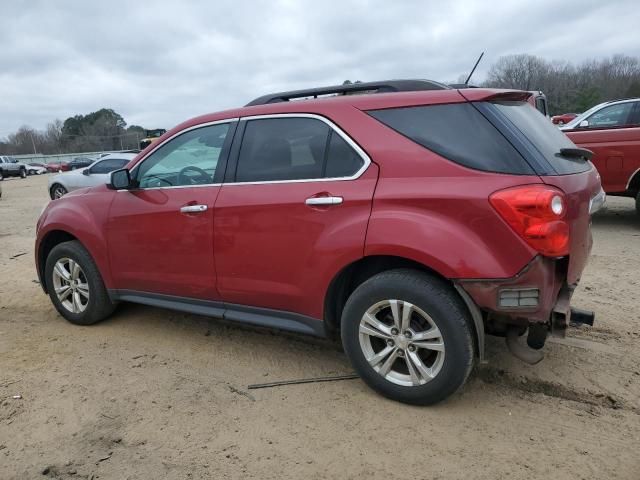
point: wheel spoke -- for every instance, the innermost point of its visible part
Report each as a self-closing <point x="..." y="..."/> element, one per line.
<point x="430" y="334"/>
<point x="74" y="268"/>
<point x="62" y="272"/>
<point x="83" y="289"/>
<point x="381" y="355"/>
<point x="62" y="289"/>
<point x="413" y="373"/>
<point x="422" y="370"/>
<point x="388" y="363"/>
<point x="437" y="346"/>
<point x="407" y="310"/>
<point x="395" y="311"/>
<point x="76" y="302"/>
<point x="374" y="332"/>
<point x="63" y="296"/>
<point x="377" y="324"/>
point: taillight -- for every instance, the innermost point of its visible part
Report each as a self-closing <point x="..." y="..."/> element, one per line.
<point x="536" y="213"/>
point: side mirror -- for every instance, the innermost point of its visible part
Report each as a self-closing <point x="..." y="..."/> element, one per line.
<point x="120" y="180"/>
<point x="584" y="124"/>
<point x="86" y="172"/>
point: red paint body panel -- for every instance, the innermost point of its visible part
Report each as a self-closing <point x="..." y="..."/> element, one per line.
<point x="564" y="118"/>
<point x="83" y="214"/>
<point x="616" y="154"/>
<point x="155" y="248"/>
<point x="274" y="251"/>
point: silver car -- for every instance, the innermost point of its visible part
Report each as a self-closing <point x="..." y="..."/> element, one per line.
<point x="96" y="174"/>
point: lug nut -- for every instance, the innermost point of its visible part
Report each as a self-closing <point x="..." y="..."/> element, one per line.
<point x="412" y="348"/>
<point x="407" y="334"/>
<point x="390" y="343"/>
<point x="401" y="353"/>
<point x="394" y="331"/>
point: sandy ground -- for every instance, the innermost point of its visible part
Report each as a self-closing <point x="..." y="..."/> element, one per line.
<point x="153" y="394"/>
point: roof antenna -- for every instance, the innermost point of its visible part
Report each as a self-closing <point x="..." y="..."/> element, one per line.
<point x="466" y="82"/>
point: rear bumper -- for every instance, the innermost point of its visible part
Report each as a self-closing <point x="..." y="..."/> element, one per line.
<point x="529" y="297"/>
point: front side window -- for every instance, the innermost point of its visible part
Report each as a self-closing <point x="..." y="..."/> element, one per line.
<point x="187" y="160"/>
<point x="296" y="148"/>
<point x="611" y="116"/>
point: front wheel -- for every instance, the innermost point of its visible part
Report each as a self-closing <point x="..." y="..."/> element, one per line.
<point x="409" y="336"/>
<point x="57" y="191"/>
<point x="75" y="285"/>
<point x="23" y="173"/>
<point x="638" y="203"/>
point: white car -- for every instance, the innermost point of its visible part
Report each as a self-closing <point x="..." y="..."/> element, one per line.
<point x="96" y="174"/>
<point x="35" y="169"/>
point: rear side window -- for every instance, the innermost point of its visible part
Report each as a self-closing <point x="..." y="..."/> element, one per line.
<point x="296" y="148"/>
<point x="458" y="132"/>
<point x="108" y="166"/>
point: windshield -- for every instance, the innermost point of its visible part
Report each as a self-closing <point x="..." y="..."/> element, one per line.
<point x="576" y="121"/>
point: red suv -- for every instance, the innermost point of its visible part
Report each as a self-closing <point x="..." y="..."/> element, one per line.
<point x="410" y="220"/>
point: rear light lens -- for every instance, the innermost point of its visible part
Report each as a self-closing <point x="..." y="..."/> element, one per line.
<point x="537" y="213"/>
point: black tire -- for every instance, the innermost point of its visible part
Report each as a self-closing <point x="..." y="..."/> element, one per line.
<point x="1" y="176"/>
<point x="55" y="188"/>
<point x="99" y="306"/>
<point x="440" y="302"/>
<point x="23" y="173"/>
<point x="638" y="203"/>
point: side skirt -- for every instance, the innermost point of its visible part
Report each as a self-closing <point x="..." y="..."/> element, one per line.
<point x="264" y="317"/>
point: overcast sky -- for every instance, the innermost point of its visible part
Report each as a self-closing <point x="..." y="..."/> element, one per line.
<point x="158" y="63"/>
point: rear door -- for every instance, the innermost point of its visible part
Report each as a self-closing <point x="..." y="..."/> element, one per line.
<point x="293" y="209"/>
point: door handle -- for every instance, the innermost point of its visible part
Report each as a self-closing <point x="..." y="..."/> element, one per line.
<point x="314" y="201"/>
<point x="193" y="208"/>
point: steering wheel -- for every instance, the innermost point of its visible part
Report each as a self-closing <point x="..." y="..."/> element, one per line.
<point x="201" y="179"/>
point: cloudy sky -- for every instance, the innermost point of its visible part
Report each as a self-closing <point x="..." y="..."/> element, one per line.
<point x="159" y="62"/>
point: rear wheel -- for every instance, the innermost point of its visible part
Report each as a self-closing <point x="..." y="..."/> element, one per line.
<point x="57" y="191"/>
<point x="409" y="336"/>
<point x="75" y="285"/>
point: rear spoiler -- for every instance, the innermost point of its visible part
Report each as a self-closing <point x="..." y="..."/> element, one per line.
<point x="484" y="95"/>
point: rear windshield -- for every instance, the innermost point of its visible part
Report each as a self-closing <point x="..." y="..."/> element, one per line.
<point x="458" y="132"/>
<point x="545" y="137"/>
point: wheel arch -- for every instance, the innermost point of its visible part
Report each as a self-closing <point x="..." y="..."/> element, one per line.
<point x="633" y="185"/>
<point x="357" y="272"/>
<point x="48" y="242"/>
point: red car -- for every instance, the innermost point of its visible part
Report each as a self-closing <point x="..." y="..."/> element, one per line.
<point x="410" y="220"/>
<point x="54" y="167"/>
<point x="611" y="131"/>
<point x="564" y="118"/>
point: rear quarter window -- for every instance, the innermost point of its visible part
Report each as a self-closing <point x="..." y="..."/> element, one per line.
<point x="458" y="132"/>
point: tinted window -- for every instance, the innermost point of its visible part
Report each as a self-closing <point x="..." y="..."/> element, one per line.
<point x="545" y="137"/>
<point x="108" y="166"/>
<point x="612" y="116"/>
<point x="342" y="160"/>
<point x="458" y="132"/>
<point x="282" y="149"/>
<point x="541" y="105"/>
<point x="189" y="159"/>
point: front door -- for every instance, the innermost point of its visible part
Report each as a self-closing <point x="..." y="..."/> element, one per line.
<point x="160" y="233"/>
<point x="294" y="212"/>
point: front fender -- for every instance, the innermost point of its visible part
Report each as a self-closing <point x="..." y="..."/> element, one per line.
<point x="82" y="217"/>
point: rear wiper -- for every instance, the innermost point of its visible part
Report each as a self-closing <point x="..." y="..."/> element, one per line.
<point x="576" y="153"/>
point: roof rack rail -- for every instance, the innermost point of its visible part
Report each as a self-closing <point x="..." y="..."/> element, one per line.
<point x="384" y="86"/>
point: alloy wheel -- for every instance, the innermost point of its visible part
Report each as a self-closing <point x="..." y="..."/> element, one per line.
<point x="401" y="342"/>
<point x="71" y="285"/>
<point x="59" y="192"/>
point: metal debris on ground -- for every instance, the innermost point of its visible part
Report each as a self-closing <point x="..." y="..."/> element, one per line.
<point x="302" y="380"/>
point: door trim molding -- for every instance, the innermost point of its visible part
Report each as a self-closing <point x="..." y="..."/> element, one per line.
<point x="263" y="317"/>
